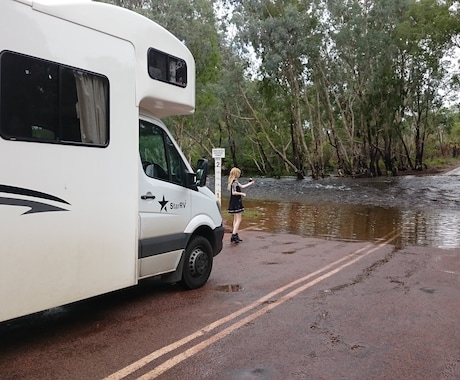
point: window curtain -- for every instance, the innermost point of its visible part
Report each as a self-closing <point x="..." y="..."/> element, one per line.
<point x="92" y="108"/>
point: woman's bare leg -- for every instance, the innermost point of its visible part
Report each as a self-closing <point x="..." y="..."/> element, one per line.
<point x="236" y="222"/>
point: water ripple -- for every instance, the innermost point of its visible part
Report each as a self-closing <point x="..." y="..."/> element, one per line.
<point x="425" y="208"/>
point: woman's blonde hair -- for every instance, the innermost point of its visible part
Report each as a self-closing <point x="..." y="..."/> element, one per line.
<point x="234" y="174"/>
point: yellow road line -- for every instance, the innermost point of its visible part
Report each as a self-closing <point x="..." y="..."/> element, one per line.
<point x="354" y="256"/>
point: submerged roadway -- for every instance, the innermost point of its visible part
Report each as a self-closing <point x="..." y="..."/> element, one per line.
<point x="275" y="307"/>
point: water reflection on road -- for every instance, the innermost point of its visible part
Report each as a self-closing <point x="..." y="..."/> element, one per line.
<point x="425" y="208"/>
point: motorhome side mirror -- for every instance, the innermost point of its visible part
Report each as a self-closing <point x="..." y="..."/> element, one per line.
<point x="201" y="172"/>
<point x="190" y="181"/>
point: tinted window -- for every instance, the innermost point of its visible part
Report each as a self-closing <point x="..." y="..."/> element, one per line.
<point x="166" y="68"/>
<point x="160" y="158"/>
<point x="48" y="102"/>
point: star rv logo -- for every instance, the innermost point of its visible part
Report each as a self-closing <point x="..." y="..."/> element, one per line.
<point x="163" y="204"/>
<point x="37" y="205"/>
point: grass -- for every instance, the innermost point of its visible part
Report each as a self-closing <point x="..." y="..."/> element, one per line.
<point x="248" y="214"/>
<point x="442" y="162"/>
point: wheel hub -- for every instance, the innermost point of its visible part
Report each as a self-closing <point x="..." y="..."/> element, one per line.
<point x="198" y="262"/>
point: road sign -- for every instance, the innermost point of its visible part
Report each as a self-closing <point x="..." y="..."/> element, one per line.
<point x="218" y="154"/>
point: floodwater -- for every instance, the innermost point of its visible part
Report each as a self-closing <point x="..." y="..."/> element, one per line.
<point x="426" y="209"/>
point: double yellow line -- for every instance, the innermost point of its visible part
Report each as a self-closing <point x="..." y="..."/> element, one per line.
<point x="329" y="270"/>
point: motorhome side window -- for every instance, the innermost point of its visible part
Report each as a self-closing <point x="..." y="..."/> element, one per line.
<point x="160" y="158"/>
<point x="44" y="101"/>
<point x="166" y="68"/>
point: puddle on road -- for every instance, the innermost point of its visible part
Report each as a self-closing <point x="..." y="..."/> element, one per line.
<point x="425" y="208"/>
<point x="230" y="288"/>
<point x="435" y="228"/>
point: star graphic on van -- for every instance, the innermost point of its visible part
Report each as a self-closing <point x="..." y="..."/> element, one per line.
<point x="163" y="204"/>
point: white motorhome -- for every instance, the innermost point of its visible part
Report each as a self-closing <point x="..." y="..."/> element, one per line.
<point x="95" y="194"/>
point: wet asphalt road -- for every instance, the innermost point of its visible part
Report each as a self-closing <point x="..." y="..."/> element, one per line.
<point x="275" y="307"/>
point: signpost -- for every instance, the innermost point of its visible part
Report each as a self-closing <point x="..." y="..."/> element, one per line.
<point x="218" y="154"/>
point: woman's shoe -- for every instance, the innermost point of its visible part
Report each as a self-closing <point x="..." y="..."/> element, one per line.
<point x="234" y="238"/>
<point x="238" y="237"/>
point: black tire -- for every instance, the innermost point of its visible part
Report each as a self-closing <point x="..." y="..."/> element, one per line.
<point x="197" y="263"/>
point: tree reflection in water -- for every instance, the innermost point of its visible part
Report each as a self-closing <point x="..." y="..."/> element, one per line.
<point x="425" y="208"/>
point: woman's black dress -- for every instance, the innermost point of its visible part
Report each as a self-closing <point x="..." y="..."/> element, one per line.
<point x="236" y="202"/>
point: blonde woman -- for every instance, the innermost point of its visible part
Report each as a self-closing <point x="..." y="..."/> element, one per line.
<point x="235" y="205"/>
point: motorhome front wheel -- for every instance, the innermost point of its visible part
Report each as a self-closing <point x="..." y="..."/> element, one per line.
<point x="197" y="263"/>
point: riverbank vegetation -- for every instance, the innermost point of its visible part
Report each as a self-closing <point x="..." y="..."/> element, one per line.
<point x="315" y="87"/>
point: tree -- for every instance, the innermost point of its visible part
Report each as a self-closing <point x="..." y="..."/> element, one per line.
<point x="282" y="33"/>
<point x="304" y="85"/>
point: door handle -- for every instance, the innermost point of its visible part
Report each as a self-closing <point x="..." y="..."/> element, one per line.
<point x="148" y="196"/>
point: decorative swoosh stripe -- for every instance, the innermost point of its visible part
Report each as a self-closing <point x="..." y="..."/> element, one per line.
<point x="30" y="193"/>
<point x="34" y="206"/>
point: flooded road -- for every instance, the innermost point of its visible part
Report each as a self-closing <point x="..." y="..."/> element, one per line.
<point x="283" y="304"/>
<point x="425" y="208"/>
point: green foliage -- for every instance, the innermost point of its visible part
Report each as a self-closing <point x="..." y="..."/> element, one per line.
<point x="455" y="132"/>
<point x="306" y="85"/>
